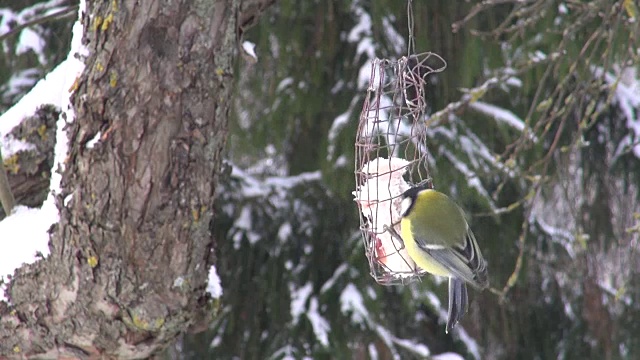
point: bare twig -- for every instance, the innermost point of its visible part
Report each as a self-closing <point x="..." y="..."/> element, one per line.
<point x="66" y="12"/>
<point x="569" y="88"/>
<point x="478" y="8"/>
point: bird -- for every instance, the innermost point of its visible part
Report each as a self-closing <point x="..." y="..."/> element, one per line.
<point x="438" y="239"/>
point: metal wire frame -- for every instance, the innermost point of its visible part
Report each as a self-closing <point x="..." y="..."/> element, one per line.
<point x="391" y="155"/>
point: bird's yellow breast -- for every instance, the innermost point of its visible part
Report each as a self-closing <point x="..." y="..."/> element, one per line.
<point x="419" y="256"/>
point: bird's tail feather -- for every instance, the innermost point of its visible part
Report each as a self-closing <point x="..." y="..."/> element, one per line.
<point x="458" y="302"/>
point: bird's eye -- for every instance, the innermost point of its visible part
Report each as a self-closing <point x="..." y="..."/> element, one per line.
<point x="405" y="205"/>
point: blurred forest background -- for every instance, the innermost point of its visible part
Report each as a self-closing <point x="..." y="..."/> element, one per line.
<point x="534" y="130"/>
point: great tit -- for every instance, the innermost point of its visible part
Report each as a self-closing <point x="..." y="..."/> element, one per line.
<point x="437" y="237"/>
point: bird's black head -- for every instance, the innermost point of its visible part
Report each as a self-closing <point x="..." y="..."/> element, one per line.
<point x="409" y="198"/>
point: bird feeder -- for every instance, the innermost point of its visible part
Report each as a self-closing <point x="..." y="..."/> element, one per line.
<point x="391" y="155"/>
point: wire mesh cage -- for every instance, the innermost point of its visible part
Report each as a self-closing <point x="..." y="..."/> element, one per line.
<point x="390" y="157"/>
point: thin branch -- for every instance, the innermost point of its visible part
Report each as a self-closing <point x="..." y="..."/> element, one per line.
<point x="478" y="92"/>
<point x="480" y="7"/>
<point x="66" y="12"/>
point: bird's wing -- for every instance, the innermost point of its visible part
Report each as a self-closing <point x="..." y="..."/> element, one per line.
<point x="464" y="261"/>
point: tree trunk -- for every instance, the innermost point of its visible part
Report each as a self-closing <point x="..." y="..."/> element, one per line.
<point x="130" y="256"/>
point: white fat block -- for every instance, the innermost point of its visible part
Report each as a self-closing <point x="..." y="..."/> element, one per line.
<point x="395" y="167"/>
<point x="391" y="253"/>
<point x="380" y="200"/>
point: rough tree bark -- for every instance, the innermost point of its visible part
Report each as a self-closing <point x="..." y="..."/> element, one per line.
<point x="130" y="255"/>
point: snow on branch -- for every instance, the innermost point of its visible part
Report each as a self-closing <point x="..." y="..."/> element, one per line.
<point x="499" y="114"/>
<point x="25" y="233"/>
<point x="300" y="297"/>
<point x="626" y="91"/>
<point x="253" y="186"/>
<point x="505" y="76"/>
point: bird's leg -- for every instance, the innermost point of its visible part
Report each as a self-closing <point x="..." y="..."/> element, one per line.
<point x="394" y="234"/>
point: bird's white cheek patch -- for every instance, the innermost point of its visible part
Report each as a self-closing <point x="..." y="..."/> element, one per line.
<point x="405" y="205"/>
